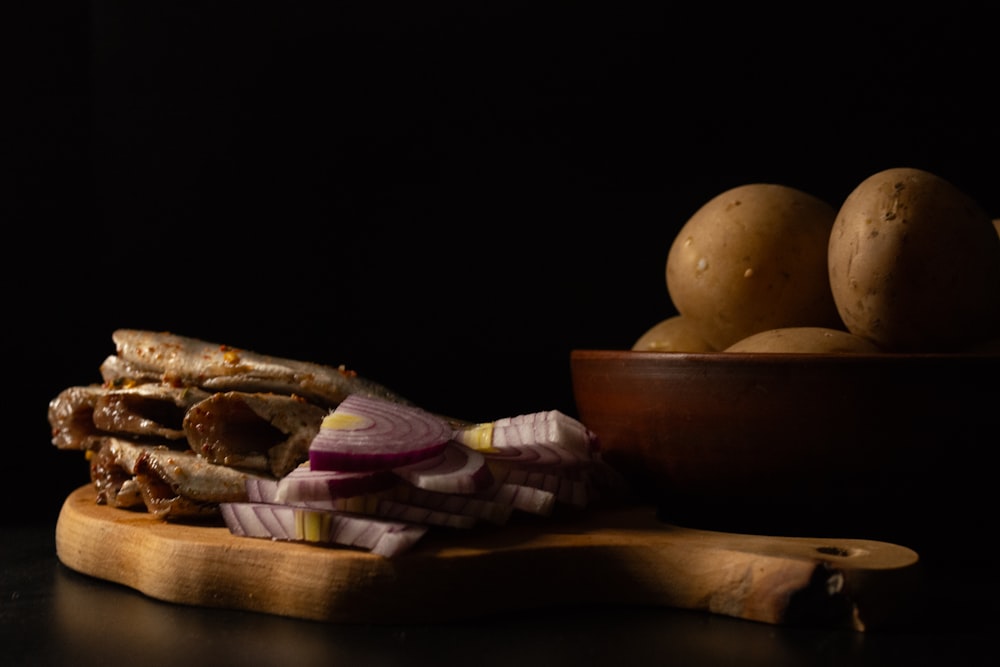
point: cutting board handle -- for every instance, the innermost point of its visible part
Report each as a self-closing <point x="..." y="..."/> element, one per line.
<point x="841" y="582"/>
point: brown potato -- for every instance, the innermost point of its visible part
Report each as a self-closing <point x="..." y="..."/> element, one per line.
<point x="753" y="258"/>
<point x="914" y="264"/>
<point x="812" y="340"/>
<point x="674" y="334"/>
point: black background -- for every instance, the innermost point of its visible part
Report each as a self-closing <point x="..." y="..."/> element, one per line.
<point x="446" y="200"/>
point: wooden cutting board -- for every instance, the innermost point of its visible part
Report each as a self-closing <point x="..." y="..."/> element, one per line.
<point x="608" y="556"/>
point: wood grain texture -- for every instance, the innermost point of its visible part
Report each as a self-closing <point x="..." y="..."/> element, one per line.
<point x="609" y="556"/>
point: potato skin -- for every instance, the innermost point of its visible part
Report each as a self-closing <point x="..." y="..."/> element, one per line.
<point x="753" y="258"/>
<point x="673" y="334"/>
<point x="914" y="264"/>
<point x="805" y="340"/>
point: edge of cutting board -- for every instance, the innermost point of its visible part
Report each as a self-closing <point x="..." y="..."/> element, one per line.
<point x="616" y="556"/>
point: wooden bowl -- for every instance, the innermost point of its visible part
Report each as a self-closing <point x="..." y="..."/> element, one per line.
<point x="797" y="443"/>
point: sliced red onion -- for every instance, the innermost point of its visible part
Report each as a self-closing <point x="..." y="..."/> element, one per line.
<point x="304" y="484"/>
<point x="376" y="464"/>
<point x="364" y="504"/>
<point x="521" y="455"/>
<point x="481" y="508"/>
<point x="243" y="521"/>
<point x="568" y="488"/>
<point x="388" y="505"/>
<point x="246" y="519"/>
<point x="366" y="433"/>
<point x="524" y="498"/>
<point x="261" y="490"/>
<point x="457" y="469"/>
<point x="299" y="524"/>
<point x="423" y="515"/>
<point x="538" y="455"/>
<point x="545" y="428"/>
<point x="552" y="428"/>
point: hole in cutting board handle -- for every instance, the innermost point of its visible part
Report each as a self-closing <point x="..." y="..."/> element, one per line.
<point x="852" y="552"/>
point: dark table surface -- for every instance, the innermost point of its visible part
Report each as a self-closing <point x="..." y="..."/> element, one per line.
<point x="603" y="129"/>
<point x="52" y="615"/>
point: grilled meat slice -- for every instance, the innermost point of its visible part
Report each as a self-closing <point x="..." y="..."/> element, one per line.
<point x="81" y="416"/>
<point x="173" y="484"/>
<point x="263" y="432"/>
<point x="71" y="417"/>
<point x="147" y="410"/>
<point x="116" y="372"/>
<point x="113" y="475"/>
<point x="189" y="361"/>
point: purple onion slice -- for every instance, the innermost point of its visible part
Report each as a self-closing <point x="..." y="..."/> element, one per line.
<point x="551" y="428"/>
<point x="365" y="433"/>
<point x="299" y="524"/>
<point x="303" y="484"/>
<point x="457" y="469"/>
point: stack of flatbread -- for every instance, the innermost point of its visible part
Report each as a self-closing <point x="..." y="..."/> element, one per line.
<point x="178" y="425"/>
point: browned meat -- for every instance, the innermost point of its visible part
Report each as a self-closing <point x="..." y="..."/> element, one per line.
<point x="173" y="484"/>
<point x="146" y="410"/>
<point x="71" y="416"/>
<point x="257" y="431"/>
<point x="179" y="424"/>
<point x="114" y="479"/>
<point x="188" y="361"/>
<point x="81" y="416"/>
<point x="116" y="372"/>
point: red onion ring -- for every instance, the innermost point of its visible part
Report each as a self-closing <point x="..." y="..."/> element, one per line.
<point x="365" y="433"/>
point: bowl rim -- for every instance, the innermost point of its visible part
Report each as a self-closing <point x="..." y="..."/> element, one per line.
<point x="641" y="356"/>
